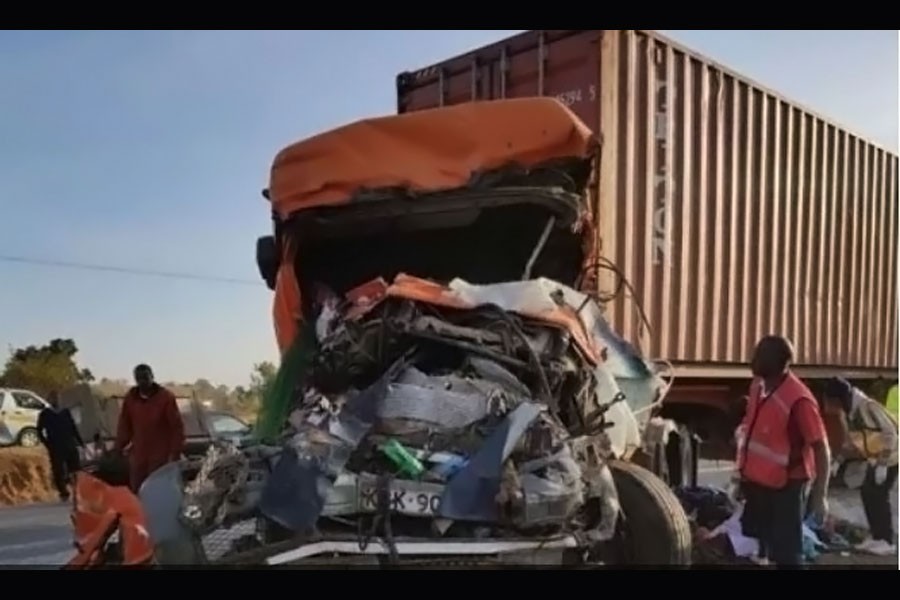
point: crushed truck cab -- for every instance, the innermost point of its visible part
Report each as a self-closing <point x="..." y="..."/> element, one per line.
<point x="450" y="391"/>
<point x="447" y="277"/>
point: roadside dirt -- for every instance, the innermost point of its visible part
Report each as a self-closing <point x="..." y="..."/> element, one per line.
<point x="25" y="477"/>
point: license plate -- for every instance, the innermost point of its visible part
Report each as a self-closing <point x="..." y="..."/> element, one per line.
<point x="412" y="498"/>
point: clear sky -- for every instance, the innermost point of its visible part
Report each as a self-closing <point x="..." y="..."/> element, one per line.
<point x="150" y="149"/>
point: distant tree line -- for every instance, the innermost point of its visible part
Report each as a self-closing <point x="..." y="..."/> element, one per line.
<point x="53" y="366"/>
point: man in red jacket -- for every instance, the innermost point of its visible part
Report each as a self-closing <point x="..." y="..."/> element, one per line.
<point x="783" y="449"/>
<point x="150" y="427"/>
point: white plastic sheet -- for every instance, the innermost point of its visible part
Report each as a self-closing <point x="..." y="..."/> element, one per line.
<point x="744" y="547"/>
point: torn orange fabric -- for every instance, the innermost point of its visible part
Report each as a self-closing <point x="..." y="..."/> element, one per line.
<point x="100" y="508"/>
<point x="425" y="151"/>
<point x="286" y="307"/>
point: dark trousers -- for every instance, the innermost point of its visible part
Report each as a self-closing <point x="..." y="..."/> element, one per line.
<point x="775" y="518"/>
<point x="876" y="501"/>
<point x="63" y="463"/>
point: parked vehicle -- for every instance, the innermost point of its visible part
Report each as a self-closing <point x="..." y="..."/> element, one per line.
<point x="97" y="418"/>
<point x="731" y="211"/>
<point x="218" y="425"/>
<point x="19" y="410"/>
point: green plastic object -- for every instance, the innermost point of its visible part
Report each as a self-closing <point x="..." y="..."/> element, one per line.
<point x="405" y="462"/>
<point x="892" y="401"/>
<point x="295" y="365"/>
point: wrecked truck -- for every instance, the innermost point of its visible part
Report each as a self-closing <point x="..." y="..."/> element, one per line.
<point x="450" y="392"/>
<point x="460" y="392"/>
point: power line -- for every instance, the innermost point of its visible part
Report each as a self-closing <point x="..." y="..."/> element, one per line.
<point x="124" y="270"/>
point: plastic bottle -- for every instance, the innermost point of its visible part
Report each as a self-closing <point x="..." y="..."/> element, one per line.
<point x="405" y="462"/>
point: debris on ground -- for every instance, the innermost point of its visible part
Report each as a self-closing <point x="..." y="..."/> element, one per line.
<point x="715" y="520"/>
<point x="25" y="477"/>
<point x="719" y="539"/>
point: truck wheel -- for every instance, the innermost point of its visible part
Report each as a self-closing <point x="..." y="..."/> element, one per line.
<point x="28" y="438"/>
<point x="653" y="527"/>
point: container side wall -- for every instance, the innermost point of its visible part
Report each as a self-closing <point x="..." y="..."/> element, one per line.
<point x="731" y="211"/>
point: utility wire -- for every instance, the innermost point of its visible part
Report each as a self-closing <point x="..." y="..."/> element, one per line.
<point x="124" y="270"/>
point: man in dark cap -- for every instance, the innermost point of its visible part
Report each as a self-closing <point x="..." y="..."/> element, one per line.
<point x="782" y="447"/>
<point x="150" y="427"/>
<point x="870" y="434"/>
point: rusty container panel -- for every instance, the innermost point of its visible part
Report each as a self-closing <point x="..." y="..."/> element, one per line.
<point x="732" y="211"/>
<point x="560" y="63"/>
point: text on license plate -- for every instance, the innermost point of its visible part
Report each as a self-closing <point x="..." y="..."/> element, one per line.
<point x="413" y="499"/>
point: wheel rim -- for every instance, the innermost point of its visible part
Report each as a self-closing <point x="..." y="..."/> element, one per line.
<point x="29" y="439"/>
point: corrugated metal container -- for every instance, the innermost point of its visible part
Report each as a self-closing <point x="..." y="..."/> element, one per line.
<point x="732" y="211"/>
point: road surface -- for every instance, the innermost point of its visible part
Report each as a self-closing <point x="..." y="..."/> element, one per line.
<point x="36" y="535"/>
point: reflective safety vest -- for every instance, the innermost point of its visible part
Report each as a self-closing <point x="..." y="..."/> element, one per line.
<point x="891" y="402"/>
<point x="766" y="453"/>
<point x="872" y="430"/>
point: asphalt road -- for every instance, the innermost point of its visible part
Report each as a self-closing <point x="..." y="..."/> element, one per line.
<point x="36" y="535"/>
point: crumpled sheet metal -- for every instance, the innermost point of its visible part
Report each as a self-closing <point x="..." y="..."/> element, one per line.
<point x="295" y="492"/>
<point x="225" y="489"/>
<point x="493" y="373"/>
<point x="552" y="488"/>
<point x="443" y="402"/>
<point x="602" y="487"/>
<point x="625" y="433"/>
<point x="534" y="299"/>
<point x="471" y="494"/>
<point x="304" y="479"/>
<point x="437" y="407"/>
<point x="161" y="496"/>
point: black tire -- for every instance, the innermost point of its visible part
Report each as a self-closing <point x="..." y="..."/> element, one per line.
<point x="653" y="527"/>
<point x="29" y="438"/>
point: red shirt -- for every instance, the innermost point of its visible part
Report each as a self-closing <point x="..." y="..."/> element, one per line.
<point x="805" y="428"/>
<point x="807" y="421"/>
<point x="153" y="427"/>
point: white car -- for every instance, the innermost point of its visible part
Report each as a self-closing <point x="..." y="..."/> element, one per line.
<point x="19" y="410"/>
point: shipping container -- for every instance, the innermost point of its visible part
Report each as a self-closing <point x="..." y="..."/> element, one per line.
<point x="732" y="211"/>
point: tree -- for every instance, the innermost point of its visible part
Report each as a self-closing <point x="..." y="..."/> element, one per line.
<point x="248" y="400"/>
<point x="261" y="378"/>
<point x="204" y="389"/>
<point x="44" y="369"/>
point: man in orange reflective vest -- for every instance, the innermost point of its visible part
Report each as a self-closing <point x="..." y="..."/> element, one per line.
<point x="783" y="447"/>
